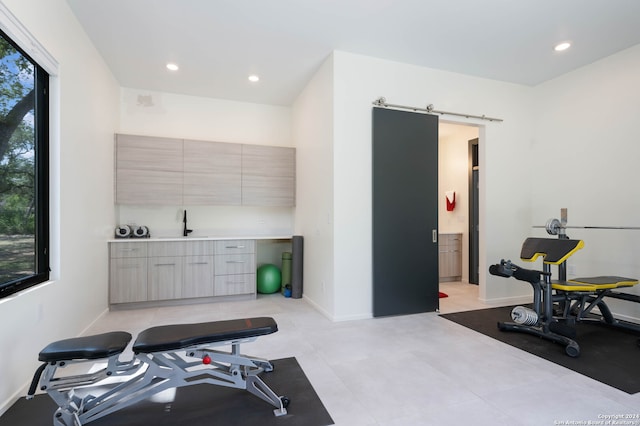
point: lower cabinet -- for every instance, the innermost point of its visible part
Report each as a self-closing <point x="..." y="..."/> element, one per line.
<point x="128" y="272"/>
<point x="198" y="276"/>
<point x="165" y="278"/>
<point x="450" y="257"/>
<point x="153" y="271"/>
<point x="235" y="267"/>
<point x="128" y="280"/>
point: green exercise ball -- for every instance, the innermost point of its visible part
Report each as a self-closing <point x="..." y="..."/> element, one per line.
<point x="269" y="279"/>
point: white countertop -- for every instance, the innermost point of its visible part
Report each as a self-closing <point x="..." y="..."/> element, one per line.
<point x="202" y="238"/>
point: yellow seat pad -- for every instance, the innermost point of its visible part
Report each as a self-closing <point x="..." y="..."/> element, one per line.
<point x="593" y="284"/>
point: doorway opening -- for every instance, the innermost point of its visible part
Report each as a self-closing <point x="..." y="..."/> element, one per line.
<point x="458" y="219"/>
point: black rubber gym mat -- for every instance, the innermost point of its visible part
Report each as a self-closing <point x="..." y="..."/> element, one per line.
<point x="201" y="405"/>
<point x="607" y="354"/>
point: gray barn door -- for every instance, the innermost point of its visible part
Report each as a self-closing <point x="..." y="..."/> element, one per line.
<point x="405" y="212"/>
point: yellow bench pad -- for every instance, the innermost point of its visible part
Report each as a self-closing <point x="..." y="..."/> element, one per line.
<point x="593" y="284"/>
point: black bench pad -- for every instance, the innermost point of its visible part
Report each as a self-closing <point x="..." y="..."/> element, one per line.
<point x="180" y="336"/>
<point x="88" y="347"/>
<point x="553" y="250"/>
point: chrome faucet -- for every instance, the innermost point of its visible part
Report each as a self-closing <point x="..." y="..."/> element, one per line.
<point x="185" y="231"/>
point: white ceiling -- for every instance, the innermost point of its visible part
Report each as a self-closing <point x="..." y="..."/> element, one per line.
<point x="218" y="43"/>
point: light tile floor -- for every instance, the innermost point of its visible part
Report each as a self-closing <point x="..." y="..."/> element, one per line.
<point x="408" y="370"/>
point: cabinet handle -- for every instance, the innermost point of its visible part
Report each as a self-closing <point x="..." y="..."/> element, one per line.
<point x="131" y="249"/>
<point x="434" y="235"/>
<point x="235" y="261"/>
<point x="165" y="264"/>
<point x="198" y="263"/>
<point x="234" y="247"/>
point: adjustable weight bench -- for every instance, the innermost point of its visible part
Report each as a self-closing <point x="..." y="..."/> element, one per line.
<point x="165" y="357"/>
<point x="574" y="299"/>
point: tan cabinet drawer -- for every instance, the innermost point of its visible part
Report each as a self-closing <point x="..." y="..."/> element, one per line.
<point x="166" y="248"/>
<point x="199" y="248"/>
<point x="227" y="285"/>
<point x="235" y="246"/>
<point x="450" y="240"/>
<point x="131" y="249"/>
<point x="233" y="264"/>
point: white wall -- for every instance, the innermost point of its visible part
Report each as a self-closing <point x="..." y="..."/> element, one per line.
<point x="586" y="151"/>
<point x="581" y="156"/>
<point x="191" y="117"/>
<point x="313" y="136"/>
<point x="505" y="149"/>
<point x="84" y="96"/>
<point x="453" y="175"/>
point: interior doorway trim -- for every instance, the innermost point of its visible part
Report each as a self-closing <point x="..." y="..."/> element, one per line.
<point x="474" y="212"/>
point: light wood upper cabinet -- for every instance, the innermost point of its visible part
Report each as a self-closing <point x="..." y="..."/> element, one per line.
<point x="165" y="171"/>
<point x="148" y="171"/>
<point x="268" y="175"/>
<point x="212" y="173"/>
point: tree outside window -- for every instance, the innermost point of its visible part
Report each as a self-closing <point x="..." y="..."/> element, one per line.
<point x="23" y="162"/>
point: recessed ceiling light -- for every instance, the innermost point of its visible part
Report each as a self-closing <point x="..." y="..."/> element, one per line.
<point x="172" y="67"/>
<point x="562" y="46"/>
<point x="254" y="78"/>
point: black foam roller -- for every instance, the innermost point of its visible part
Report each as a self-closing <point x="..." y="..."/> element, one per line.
<point x="297" y="257"/>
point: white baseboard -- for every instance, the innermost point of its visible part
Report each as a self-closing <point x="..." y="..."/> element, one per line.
<point x="333" y="318"/>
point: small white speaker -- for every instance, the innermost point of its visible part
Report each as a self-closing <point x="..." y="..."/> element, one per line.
<point x="140" y="232"/>
<point x="123" y="231"/>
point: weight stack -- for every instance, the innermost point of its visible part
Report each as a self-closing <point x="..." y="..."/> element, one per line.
<point x="296" y="266"/>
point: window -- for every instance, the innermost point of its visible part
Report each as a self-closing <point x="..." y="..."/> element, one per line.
<point x="24" y="170"/>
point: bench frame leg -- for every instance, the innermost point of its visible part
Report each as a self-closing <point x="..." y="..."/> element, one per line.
<point x="150" y="373"/>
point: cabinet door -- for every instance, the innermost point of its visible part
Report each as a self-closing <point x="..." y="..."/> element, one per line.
<point x="268" y="175"/>
<point x="128" y="280"/>
<point x="212" y="173"/>
<point x="148" y="170"/>
<point x="450" y="257"/>
<point x="198" y="276"/>
<point x="165" y="278"/>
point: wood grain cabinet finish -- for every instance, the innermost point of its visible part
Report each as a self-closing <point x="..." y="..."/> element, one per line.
<point x="198" y="276"/>
<point x="165" y="171"/>
<point x="450" y="257"/>
<point x="268" y="176"/>
<point x="165" y="278"/>
<point x="198" y="269"/>
<point x="148" y="170"/>
<point x="212" y="173"/>
<point x="165" y="270"/>
<point x="235" y="267"/>
<point x="175" y="270"/>
<point x="128" y="273"/>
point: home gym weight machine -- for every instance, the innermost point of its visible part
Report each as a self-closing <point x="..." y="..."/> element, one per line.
<point x="558" y="305"/>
